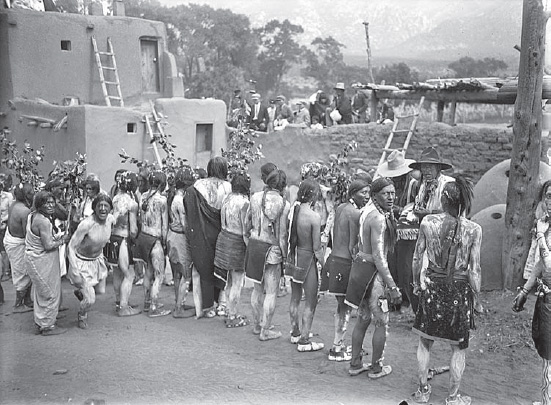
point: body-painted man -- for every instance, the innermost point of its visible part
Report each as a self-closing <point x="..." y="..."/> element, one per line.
<point x="14" y="243"/>
<point x="149" y="247"/>
<point x="336" y="272"/>
<point x="370" y="279"/>
<point x="118" y="251"/>
<point x="305" y="251"/>
<point x="266" y="250"/>
<point x="86" y="261"/>
<point x="229" y="260"/>
<point x="449" y="287"/>
<point x="178" y="248"/>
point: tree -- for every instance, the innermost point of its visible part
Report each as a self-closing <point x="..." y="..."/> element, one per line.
<point x="278" y="51"/>
<point x="396" y="73"/>
<point x="525" y="156"/>
<point x="325" y="62"/>
<point x="470" y="67"/>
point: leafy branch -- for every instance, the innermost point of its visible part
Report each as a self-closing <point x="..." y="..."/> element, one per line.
<point x="242" y="151"/>
<point x="22" y="162"/>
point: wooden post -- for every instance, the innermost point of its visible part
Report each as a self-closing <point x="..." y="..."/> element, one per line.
<point x="453" y="107"/>
<point x="373" y="106"/>
<point x="368" y="49"/>
<point x="525" y="157"/>
<point x="440" y="111"/>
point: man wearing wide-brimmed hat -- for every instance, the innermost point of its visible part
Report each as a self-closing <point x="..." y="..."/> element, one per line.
<point x="341" y="104"/>
<point x="432" y="182"/>
<point x="397" y="167"/>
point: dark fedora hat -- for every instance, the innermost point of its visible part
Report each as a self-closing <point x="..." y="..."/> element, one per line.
<point x="430" y="156"/>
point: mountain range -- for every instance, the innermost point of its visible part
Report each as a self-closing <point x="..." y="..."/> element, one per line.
<point x="428" y="30"/>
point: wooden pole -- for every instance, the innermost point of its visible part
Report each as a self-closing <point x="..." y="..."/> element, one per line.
<point x="374" y="107"/>
<point x="368" y="49"/>
<point x="525" y="157"/>
<point x="440" y="111"/>
<point x="453" y="108"/>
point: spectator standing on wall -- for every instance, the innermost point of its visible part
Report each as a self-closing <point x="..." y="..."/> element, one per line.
<point x="342" y="104"/>
<point x="302" y="115"/>
<point x="283" y="111"/>
<point x="360" y="102"/>
<point x="319" y="107"/>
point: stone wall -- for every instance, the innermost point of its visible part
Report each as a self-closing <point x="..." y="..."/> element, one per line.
<point x="472" y="150"/>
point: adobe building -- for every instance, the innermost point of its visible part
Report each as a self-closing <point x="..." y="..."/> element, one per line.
<point x="48" y="71"/>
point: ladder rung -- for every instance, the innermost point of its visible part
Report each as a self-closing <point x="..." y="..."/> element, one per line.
<point x="115" y="97"/>
<point x="108" y="68"/>
<point x="106" y="53"/>
<point x="400" y="131"/>
<point x="114" y="83"/>
<point x="393" y="149"/>
<point x="407" y="116"/>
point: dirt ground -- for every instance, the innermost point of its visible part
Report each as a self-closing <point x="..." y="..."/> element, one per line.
<point x="138" y="360"/>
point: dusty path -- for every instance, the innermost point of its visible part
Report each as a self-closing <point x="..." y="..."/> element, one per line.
<point x="138" y="360"/>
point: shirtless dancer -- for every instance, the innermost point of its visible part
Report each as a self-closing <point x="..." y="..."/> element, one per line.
<point x="151" y="242"/>
<point x="118" y="250"/>
<point x="86" y="262"/>
<point x="268" y="212"/>
<point x="370" y="278"/>
<point x="14" y="242"/>
<point x="337" y="267"/>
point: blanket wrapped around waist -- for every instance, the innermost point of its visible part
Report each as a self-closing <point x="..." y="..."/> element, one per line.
<point x="336" y="274"/>
<point x="141" y="250"/>
<point x="230" y="254"/>
<point x="298" y="269"/>
<point x="541" y="326"/>
<point x="255" y="259"/>
<point x="362" y="274"/>
<point x="112" y="249"/>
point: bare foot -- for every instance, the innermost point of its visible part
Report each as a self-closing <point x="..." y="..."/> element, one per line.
<point x="267" y="334"/>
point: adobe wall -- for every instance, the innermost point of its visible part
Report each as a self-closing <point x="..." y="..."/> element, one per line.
<point x="61" y="145"/>
<point x="40" y="69"/>
<point x="470" y="149"/>
<point x="183" y="115"/>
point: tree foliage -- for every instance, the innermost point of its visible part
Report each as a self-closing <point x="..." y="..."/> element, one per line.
<point x="396" y="73"/>
<point x="470" y="67"/>
<point x="325" y="62"/>
<point x="279" y="49"/>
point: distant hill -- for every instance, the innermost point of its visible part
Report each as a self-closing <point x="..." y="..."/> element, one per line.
<point x="443" y="30"/>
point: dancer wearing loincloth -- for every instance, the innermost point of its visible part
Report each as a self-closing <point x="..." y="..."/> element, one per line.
<point x="86" y="261"/>
<point x="266" y="250"/>
<point x="14" y="244"/>
<point x="448" y="288"/>
<point x="336" y="273"/>
<point x="229" y="259"/>
<point x="370" y="280"/>
<point x="177" y="242"/>
<point x="305" y="247"/>
<point x="118" y="251"/>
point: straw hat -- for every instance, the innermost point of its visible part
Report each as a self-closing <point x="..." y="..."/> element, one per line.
<point x="430" y="156"/>
<point x="396" y="165"/>
<point x="339" y="86"/>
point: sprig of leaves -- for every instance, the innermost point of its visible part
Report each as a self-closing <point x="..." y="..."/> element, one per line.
<point x="23" y="162"/>
<point x="73" y="174"/>
<point x="242" y="150"/>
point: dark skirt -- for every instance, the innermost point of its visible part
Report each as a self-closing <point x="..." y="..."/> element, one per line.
<point x="230" y="255"/>
<point x="362" y="274"/>
<point x="335" y="275"/>
<point x="541" y="326"/>
<point x="112" y="248"/>
<point x="143" y="246"/>
<point x="255" y="259"/>
<point x="445" y="312"/>
<point x="305" y="261"/>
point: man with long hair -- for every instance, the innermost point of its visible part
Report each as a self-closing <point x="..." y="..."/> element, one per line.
<point x="449" y="287"/>
<point x="266" y="251"/>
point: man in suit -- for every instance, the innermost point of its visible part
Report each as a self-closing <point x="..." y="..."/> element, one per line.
<point x="258" y="117"/>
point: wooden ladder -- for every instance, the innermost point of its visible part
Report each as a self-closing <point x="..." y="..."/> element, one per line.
<point x="154" y="128"/>
<point x="105" y="84"/>
<point x="387" y="149"/>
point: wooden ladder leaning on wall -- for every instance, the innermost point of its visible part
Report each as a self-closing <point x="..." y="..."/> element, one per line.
<point x="107" y="85"/>
<point x="154" y="129"/>
<point x="415" y="115"/>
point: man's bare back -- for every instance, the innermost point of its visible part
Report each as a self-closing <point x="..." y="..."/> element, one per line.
<point x="125" y="211"/>
<point x="17" y="219"/>
<point x="308" y="225"/>
<point x="345" y="230"/>
<point x="155" y="217"/>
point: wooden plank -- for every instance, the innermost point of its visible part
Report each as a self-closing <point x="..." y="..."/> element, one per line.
<point x="39" y="119"/>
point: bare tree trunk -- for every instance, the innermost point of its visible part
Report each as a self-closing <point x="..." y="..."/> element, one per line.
<point x="525" y="157"/>
<point x="368" y="49"/>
